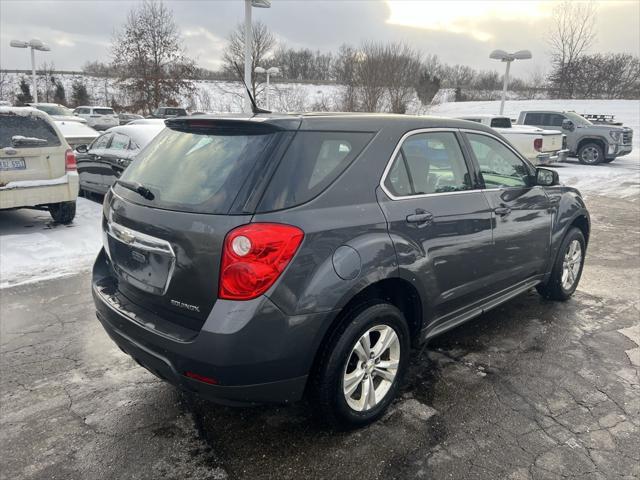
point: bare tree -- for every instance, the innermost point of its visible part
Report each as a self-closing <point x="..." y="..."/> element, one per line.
<point x="263" y="44"/>
<point x="370" y="75"/>
<point x="149" y="57"/>
<point x="402" y="66"/>
<point x="572" y="34"/>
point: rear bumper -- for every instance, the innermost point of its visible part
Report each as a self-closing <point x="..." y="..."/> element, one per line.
<point x="551" y="157"/>
<point x="252" y="350"/>
<point x="32" y="193"/>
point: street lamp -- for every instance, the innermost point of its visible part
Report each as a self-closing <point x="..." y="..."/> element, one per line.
<point x="34" y="44"/>
<point x="268" y="71"/>
<point x="248" y="44"/>
<point x="508" y="58"/>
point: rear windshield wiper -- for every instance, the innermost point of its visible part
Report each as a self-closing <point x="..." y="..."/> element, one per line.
<point x="138" y="188"/>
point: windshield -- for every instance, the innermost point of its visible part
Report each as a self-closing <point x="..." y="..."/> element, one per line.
<point x="55" y="110"/>
<point x="196" y="171"/>
<point x="577" y="119"/>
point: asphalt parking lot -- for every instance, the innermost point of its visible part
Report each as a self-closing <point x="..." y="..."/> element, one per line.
<point x="534" y="389"/>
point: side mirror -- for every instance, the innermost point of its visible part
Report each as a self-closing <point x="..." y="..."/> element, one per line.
<point x="82" y="149"/>
<point x="546" y="177"/>
<point x="568" y="125"/>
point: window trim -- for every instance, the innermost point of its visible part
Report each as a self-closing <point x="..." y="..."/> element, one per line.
<point x="476" y="165"/>
<point x="470" y="167"/>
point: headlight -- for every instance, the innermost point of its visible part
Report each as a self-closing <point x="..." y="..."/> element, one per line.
<point x="616" y="135"/>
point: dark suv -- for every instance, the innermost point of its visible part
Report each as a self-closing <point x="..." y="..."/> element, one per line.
<point x="255" y="259"/>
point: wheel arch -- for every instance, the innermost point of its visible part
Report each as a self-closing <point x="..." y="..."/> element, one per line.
<point x="396" y="291"/>
<point x="597" y="140"/>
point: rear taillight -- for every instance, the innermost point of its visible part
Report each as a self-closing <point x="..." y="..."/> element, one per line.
<point x="70" y="164"/>
<point x="254" y="256"/>
<point x="537" y="144"/>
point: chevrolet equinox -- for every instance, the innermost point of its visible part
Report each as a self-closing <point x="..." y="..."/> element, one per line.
<point x="256" y="259"/>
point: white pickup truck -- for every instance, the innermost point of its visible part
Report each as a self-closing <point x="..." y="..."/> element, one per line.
<point x="539" y="146"/>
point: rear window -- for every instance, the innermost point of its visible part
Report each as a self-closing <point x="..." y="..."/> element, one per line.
<point x="103" y="111"/>
<point x="196" y="171"/>
<point x="501" y="122"/>
<point x="312" y="162"/>
<point x="175" y="111"/>
<point x="28" y="126"/>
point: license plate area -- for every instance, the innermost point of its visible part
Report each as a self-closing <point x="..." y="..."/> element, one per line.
<point x="12" y="164"/>
<point x="141" y="260"/>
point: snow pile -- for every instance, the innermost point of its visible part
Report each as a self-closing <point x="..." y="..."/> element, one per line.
<point x="33" y="248"/>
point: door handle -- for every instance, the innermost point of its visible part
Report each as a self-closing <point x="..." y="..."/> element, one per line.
<point x="502" y="211"/>
<point x="420" y="217"/>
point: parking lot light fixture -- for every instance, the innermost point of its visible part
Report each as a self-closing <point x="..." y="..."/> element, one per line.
<point x="34" y="44"/>
<point x="269" y="72"/>
<point x="248" y="44"/>
<point x="508" y="58"/>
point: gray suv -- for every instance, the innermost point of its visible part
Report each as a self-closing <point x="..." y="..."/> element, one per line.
<point x="259" y="259"/>
<point x="591" y="143"/>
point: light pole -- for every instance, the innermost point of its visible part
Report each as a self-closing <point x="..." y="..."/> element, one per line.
<point x="268" y="71"/>
<point x="34" y="44"/>
<point x="248" y="44"/>
<point x="508" y="58"/>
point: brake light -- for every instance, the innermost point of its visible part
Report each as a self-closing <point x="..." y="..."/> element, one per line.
<point x="537" y="144"/>
<point x="253" y="258"/>
<point x="201" y="378"/>
<point x="70" y="164"/>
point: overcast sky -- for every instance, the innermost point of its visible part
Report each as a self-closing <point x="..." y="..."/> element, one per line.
<point x="457" y="31"/>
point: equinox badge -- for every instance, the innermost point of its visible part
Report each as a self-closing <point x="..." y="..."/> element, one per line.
<point x="193" y="308"/>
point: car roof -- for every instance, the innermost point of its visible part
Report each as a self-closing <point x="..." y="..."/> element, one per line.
<point x="481" y="115"/>
<point x="92" y="106"/>
<point x="141" y="134"/>
<point x="25" y="111"/>
<point x="341" y="121"/>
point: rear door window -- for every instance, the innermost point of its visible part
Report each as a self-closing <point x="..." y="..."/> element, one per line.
<point x="428" y="163"/>
<point x="197" y="171"/>
<point x="533" y="119"/>
<point x="312" y="162"/>
<point x="29" y="126"/>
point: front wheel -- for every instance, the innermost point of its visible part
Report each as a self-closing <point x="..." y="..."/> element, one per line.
<point x="361" y="367"/>
<point x="63" y="212"/>
<point x="590" y="154"/>
<point x="567" y="269"/>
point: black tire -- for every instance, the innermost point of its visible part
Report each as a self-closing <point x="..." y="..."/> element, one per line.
<point x="63" y="212"/>
<point x="554" y="289"/>
<point x="327" y="381"/>
<point x="590" y="154"/>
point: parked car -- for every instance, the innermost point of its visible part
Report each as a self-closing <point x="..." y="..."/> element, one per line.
<point x="125" y="118"/>
<point x="104" y="160"/>
<point x="76" y="133"/>
<point x="37" y="166"/>
<point x="541" y="147"/>
<point x="100" y="118"/>
<point x="169" y="112"/>
<point x="253" y="259"/>
<point x="58" y="112"/>
<point x="591" y="143"/>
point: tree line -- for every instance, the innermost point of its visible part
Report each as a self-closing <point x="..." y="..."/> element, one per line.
<point x="151" y="68"/>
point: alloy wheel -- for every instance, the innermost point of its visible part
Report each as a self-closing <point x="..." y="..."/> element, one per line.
<point x="571" y="264"/>
<point x="590" y="155"/>
<point x="371" y="368"/>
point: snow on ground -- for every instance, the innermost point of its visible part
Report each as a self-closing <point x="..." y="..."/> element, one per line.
<point x="620" y="179"/>
<point x="33" y="248"/>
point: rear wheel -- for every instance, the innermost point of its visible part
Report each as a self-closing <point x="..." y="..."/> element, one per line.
<point x="361" y="367"/>
<point x="567" y="269"/>
<point x="63" y="212"/>
<point x="590" y="154"/>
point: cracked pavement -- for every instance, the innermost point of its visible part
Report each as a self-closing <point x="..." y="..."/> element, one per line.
<point x="531" y="390"/>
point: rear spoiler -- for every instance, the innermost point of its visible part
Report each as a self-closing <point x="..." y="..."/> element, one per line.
<point x="224" y="126"/>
